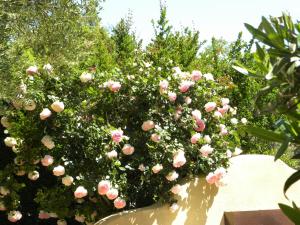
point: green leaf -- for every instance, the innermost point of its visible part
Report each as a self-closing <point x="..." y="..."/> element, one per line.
<point x="298" y="40"/>
<point x="264" y="134"/>
<point x="292" y="213"/>
<point x="282" y="149"/>
<point x="291" y="180"/>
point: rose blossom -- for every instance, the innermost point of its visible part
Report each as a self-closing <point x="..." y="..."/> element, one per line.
<point x="163" y="85"/>
<point x="2" y="206"/>
<point x="67" y="180"/>
<point x="57" y="106"/>
<point x="48" y="142"/>
<point x="210" y="106"/>
<point x="85" y="77"/>
<point x="237" y="151"/>
<point x="172" y="96"/>
<point x="45" y="114"/>
<point x="10" y="142"/>
<point x="117" y="135"/>
<point x="176" y="189"/>
<point x="5" y="122"/>
<point x="228" y="154"/>
<point x="103" y="187"/>
<point x="188" y="100"/>
<point x="20" y="173"/>
<point x="119" y="203"/>
<point x="225" y="101"/>
<point x="211" y="178"/>
<point x="112" y="154"/>
<point x="244" y="120"/>
<point x="185" y="86"/>
<point x="17" y="103"/>
<point x="200" y="126"/>
<point x="195" y="138"/>
<point x="80" y="192"/>
<point x="112" y="194"/>
<point x="234" y="121"/>
<point x="14" y="216"/>
<point x="178" y="113"/>
<point x="61" y="222"/>
<point x="217" y="114"/>
<point x="196" y="114"/>
<point x="48" y="68"/>
<point x="33" y="175"/>
<point x="128" y="149"/>
<point x="208" y="76"/>
<point x="58" y="171"/>
<point x="172" y="176"/>
<point x="196" y="75"/>
<point x="148" y="125"/>
<point x="47" y="160"/>
<point x="157" y="168"/>
<point x="155" y="138"/>
<point x="220" y="172"/>
<point x="207" y="139"/>
<point x="179" y="159"/>
<point x="205" y="150"/>
<point x="79" y="218"/>
<point x="32" y="70"/>
<point x="224" y="109"/>
<point x="142" y="168"/>
<point x="43" y="215"/>
<point x="29" y="105"/>
<point x="113" y="86"/>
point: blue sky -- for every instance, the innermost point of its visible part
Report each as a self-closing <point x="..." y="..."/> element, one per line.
<point x="218" y="18"/>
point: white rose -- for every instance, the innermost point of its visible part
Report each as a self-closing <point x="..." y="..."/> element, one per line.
<point x="29" y="105"/>
<point x="234" y="121"/>
<point x="5" y="122"/>
<point x="142" y="168"/>
<point x="45" y="114"/>
<point x="48" y="68"/>
<point x="61" y="222"/>
<point x="4" y="191"/>
<point x="176" y="189"/>
<point x="208" y="76"/>
<point x="86" y="77"/>
<point x="10" y="142"/>
<point x="207" y="139"/>
<point x="58" y="171"/>
<point x="48" y="142"/>
<point x="237" y="151"/>
<point x="33" y="175"/>
<point x="172" y="176"/>
<point x="225" y="101"/>
<point x="67" y="180"/>
<point x="244" y="120"/>
<point x="57" y="106"/>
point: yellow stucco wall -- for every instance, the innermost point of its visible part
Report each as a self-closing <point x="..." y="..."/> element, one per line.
<point x="255" y="182"/>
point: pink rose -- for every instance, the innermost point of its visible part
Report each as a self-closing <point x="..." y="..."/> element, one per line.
<point x="128" y="149"/>
<point x="195" y="138"/>
<point x="119" y="203"/>
<point x="200" y="126"/>
<point x="178" y="113"/>
<point x="185" y="86"/>
<point x="179" y="159"/>
<point x="163" y="85"/>
<point x="157" y="168"/>
<point x="224" y="109"/>
<point x="210" y="106"/>
<point x="205" y="150"/>
<point x="176" y="189"/>
<point x="114" y="86"/>
<point x="148" y="125"/>
<point x="220" y="172"/>
<point x="103" y="187"/>
<point x="155" y="138"/>
<point x="14" y="216"/>
<point x="172" y="96"/>
<point x="32" y="70"/>
<point x="211" y="178"/>
<point x="217" y="114"/>
<point x="196" y="114"/>
<point x="196" y="75"/>
<point x="47" y="160"/>
<point x="172" y="176"/>
<point x="112" y="154"/>
<point x="112" y="194"/>
<point x="58" y="171"/>
<point x="45" y="114"/>
<point x="80" y="192"/>
<point x="117" y="136"/>
<point x="43" y="215"/>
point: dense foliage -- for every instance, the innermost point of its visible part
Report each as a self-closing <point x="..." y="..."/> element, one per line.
<point x="278" y="57"/>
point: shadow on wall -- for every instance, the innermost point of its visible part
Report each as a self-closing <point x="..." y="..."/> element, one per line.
<point x="191" y="210"/>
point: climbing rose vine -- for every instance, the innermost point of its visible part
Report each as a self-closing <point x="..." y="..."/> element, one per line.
<point x="95" y="143"/>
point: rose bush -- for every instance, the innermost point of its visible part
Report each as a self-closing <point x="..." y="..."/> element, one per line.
<point x="108" y="141"/>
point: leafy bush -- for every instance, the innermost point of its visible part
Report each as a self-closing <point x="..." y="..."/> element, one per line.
<point x="107" y="141"/>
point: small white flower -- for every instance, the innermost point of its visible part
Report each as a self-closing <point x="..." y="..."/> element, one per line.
<point x="5" y="122"/>
<point x="234" y="121"/>
<point x="48" y="68"/>
<point x="86" y="77"/>
<point x="4" y="191"/>
<point x="237" y="151"/>
<point x="33" y="175"/>
<point x="208" y="76"/>
<point x="207" y="139"/>
<point x="172" y="176"/>
<point x="10" y="142"/>
<point x="142" y="167"/>
<point x="244" y="120"/>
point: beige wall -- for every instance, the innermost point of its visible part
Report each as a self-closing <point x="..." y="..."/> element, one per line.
<point x="255" y="182"/>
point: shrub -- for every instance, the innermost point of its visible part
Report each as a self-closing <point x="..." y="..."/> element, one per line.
<point x="93" y="143"/>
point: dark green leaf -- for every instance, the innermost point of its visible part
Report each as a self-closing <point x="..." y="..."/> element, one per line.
<point x="292" y="213"/>
<point x="291" y="180"/>
<point x="282" y="149"/>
